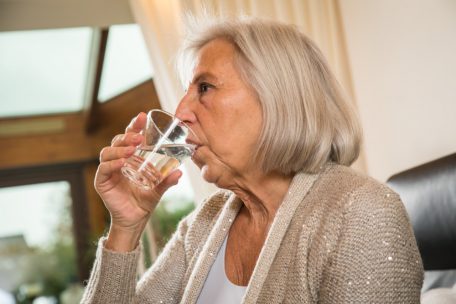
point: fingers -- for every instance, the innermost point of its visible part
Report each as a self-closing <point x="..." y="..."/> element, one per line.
<point x="137" y="123"/>
<point x="106" y="169"/>
<point x="112" y="153"/>
<point x="169" y="181"/>
<point x="128" y="139"/>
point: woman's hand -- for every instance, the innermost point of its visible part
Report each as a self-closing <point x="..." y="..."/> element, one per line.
<point x="129" y="206"/>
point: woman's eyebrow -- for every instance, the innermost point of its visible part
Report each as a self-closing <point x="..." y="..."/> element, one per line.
<point x="204" y="76"/>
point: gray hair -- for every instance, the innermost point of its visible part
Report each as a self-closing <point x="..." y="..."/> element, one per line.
<point x="307" y="120"/>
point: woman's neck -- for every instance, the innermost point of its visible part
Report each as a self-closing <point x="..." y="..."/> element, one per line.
<point x="262" y="195"/>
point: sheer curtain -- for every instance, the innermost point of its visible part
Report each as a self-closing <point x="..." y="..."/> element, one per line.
<point x="161" y="24"/>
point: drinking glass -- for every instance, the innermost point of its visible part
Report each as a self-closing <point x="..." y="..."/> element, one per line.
<point x="165" y="145"/>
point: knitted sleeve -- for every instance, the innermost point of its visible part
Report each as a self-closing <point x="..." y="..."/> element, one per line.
<point x="113" y="277"/>
<point x="376" y="259"/>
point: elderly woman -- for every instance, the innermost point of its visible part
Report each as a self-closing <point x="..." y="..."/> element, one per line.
<point x="293" y="223"/>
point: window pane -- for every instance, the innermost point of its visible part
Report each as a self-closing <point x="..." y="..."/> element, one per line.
<point x="126" y="62"/>
<point x="37" y="254"/>
<point x="43" y="71"/>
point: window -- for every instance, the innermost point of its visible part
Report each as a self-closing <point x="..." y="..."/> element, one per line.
<point x="43" y="71"/>
<point x="37" y="252"/>
<point x="126" y="61"/>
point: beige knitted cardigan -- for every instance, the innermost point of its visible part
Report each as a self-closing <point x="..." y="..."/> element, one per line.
<point x="338" y="237"/>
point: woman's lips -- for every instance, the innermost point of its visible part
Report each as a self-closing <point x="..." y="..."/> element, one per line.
<point x="192" y="142"/>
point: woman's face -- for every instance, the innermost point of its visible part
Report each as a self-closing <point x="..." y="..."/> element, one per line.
<point x="224" y="112"/>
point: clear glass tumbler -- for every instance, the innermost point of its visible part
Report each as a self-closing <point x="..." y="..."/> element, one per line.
<point x="165" y="145"/>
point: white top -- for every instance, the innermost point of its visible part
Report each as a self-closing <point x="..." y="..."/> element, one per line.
<point x="218" y="288"/>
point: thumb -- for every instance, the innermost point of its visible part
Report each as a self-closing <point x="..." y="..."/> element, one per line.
<point x="169" y="181"/>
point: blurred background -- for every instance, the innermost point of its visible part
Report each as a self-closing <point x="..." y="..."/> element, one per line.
<point x="73" y="73"/>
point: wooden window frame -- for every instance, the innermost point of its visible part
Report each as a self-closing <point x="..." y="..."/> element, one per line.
<point x="72" y="173"/>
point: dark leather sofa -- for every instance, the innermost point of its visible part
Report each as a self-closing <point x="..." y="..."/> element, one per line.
<point x="429" y="195"/>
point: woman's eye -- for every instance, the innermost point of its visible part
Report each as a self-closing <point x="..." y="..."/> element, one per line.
<point x="203" y="87"/>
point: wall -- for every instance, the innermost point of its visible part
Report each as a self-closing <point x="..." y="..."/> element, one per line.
<point x="403" y="59"/>
<point x="18" y="15"/>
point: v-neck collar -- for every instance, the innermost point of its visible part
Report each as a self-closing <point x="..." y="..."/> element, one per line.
<point x="299" y="187"/>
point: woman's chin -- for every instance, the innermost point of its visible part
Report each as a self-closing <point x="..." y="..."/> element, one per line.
<point x="214" y="176"/>
<point x="208" y="175"/>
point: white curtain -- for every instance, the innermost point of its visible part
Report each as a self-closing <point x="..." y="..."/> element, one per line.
<point x="160" y="21"/>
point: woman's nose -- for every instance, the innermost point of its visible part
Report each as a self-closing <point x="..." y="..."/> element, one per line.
<point x="184" y="110"/>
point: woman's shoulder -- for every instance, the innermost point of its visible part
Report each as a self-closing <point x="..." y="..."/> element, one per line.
<point x="348" y="194"/>
<point x="359" y="188"/>
<point x="365" y="203"/>
<point x="363" y="231"/>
